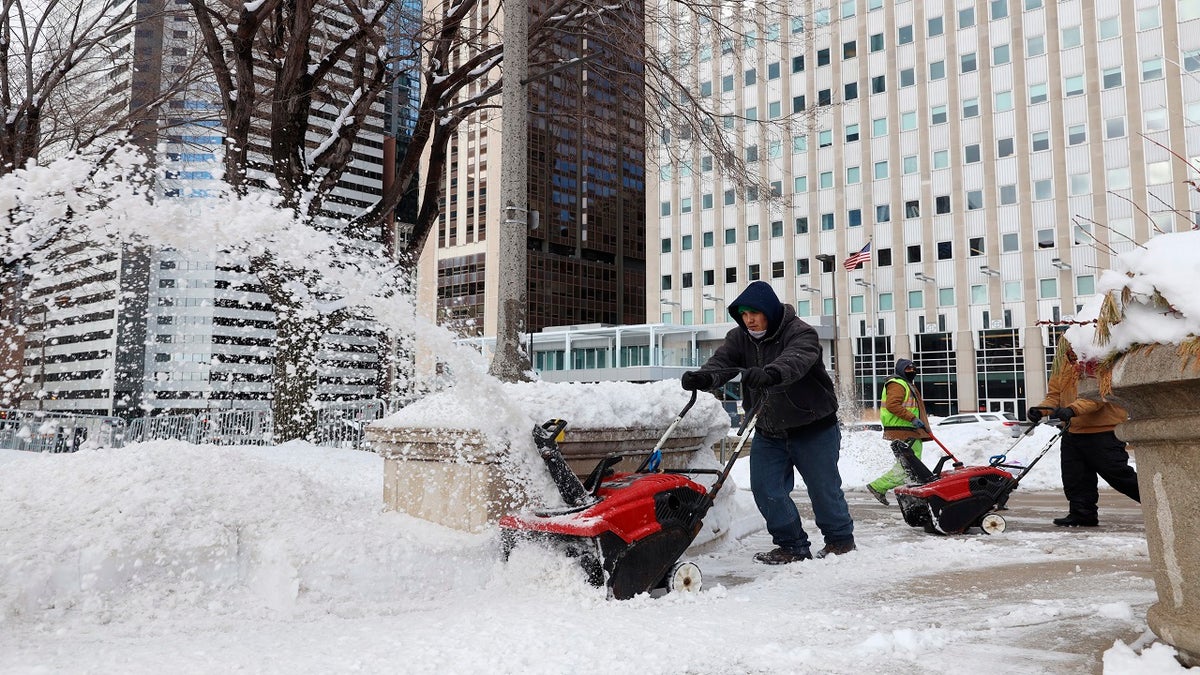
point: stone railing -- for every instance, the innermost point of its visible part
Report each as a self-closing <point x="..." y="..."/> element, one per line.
<point x="1162" y="396"/>
<point x="455" y="478"/>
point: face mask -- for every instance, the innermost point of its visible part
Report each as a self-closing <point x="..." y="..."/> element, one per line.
<point x="757" y="334"/>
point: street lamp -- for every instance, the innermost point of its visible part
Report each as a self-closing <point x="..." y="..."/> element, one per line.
<point x="1057" y="262"/>
<point x="828" y="259"/>
<point x="988" y="271"/>
<point x="810" y="289"/>
<point x="921" y="276"/>
<point x="871" y="334"/>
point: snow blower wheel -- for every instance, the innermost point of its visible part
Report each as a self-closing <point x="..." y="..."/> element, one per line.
<point x="992" y="523"/>
<point x="684" y="577"/>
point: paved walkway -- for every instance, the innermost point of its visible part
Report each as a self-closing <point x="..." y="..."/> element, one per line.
<point x="1066" y="641"/>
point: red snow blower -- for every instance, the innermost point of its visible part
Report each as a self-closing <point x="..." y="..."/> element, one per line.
<point x="952" y="502"/>
<point x="628" y="529"/>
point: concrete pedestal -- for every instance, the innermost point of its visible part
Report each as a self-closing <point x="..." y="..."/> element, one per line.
<point x="455" y="478"/>
<point x="1163" y="399"/>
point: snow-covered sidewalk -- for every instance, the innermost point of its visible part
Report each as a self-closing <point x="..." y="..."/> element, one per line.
<point x="184" y="559"/>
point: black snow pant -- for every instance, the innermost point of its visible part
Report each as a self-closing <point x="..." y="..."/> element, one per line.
<point x="1085" y="456"/>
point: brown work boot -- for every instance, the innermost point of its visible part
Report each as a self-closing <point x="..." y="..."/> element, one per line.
<point x="837" y="548"/>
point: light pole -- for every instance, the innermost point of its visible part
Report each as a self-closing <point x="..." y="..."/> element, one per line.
<point x="715" y="299"/>
<point x="828" y="259"/>
<point x="870" y="289"/>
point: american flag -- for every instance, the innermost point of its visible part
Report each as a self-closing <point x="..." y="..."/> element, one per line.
<point x="853" y="262"/>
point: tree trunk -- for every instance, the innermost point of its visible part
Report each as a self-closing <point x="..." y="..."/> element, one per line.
<point x="294" y="377"/>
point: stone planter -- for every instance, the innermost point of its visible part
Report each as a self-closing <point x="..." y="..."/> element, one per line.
<point x="1163" y="399"/>
<point x="453" y="477"/>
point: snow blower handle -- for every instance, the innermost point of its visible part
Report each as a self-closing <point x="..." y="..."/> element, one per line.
<point x="652" y="462"/>
<point x="956" y="463"/>
<point x="546" y="437"/>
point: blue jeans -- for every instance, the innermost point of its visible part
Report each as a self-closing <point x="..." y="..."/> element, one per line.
<point x="815" y="456"/>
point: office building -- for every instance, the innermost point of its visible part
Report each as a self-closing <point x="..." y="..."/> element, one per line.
<point x="586" y="178"/>
<point x="994" y="156"/>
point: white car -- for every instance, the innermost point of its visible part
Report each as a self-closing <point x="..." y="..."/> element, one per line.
<point x="1002" y="421"/>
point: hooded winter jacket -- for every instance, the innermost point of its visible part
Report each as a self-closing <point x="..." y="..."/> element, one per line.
<point x="791" y="352"/>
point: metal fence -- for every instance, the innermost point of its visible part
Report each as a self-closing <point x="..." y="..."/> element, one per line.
<point x="46" y="431"/>
<point x="339" y="425"/>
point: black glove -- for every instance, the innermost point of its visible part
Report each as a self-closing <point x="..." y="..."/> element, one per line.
<point x="918" y="424"/>
<point x="694" y="380"/>
<point x="1034" y="415"/>
<point x="1064" y="414"/>
<point x="758" y="378"/>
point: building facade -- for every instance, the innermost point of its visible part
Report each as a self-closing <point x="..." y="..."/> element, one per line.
<point x="993" y="155"/>
<point x="587" y="193"/>
<point x="142" y="330"/>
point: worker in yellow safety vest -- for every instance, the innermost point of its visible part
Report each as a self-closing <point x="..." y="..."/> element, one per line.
<point x="902" y="413"/>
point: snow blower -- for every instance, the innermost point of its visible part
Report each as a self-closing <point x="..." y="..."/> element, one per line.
<point x="628" y="529"/>
<point x="953" y="501"/>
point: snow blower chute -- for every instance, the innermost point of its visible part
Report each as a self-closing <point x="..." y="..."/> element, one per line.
<point x="952" y="502"/>
<point x="628" y="529"/>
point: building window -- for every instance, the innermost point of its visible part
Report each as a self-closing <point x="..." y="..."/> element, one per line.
<point x="851" y="133"/>
<point x="685" y="280"/>
<point x="826" y="221"/>
<point x="849" y="49"/>
<point x="883" y="213"/>
<point x="908" y="120"/>
<point x="941" y="159"/>
<point x="1008" y="194"/>
<point x="801" y="184"/>
<point x="731" y="275"/>
<point x="1114" y="127"/>
<point x="853" y="175"/>
<point x="802" y="266"/>
<point x="666" y="245"/>
<point x="976" y="246"/>
<point x="1045" y="238"/>
<point x="914" y="253"/>
<point x="937" y="70"/>
<point x="752" y="273"/>
<point x="1043" y="189"/>
<point x="971" y="153"/>
<point x="854" y="218"/>
<point x="1152" y="69"/>
<point x="777" y="269"/>
<point x="945" y="250"/>
<point x="938" y="115"/>
<point x="1081" y="184"/>
<point x="1000" y="55"/>
<point x="730" y="235"/>
<point x="1076" y="134"/>
<point x="1035" y="45"/>
<point x="966" y="17"/>
<point x="1112" y="78"/>
<point x="912" y="208"/>
<point x="881" y="169"/>
<point x="876" y="41"/>
<point x="776" y="228"/>
<point x="879" y="127"/>
<point x="936" y="26"/>
<point x="798" y="64"/>
<point x="802" y="225"/>
<point x="825" y="180"/>
<point x="824" y="138"/>
<point x="969" y="63"/>
<point x="1073" y="86"/>
<point x="1037" y="93"/>
<point x="730" y="197"/>
<point x="1004" y="101"/>
<point x="904" y="35"/>
<point x="974" y="200"/>
<point x="666" y="282"/>
<point x="970" y="108"/>
<point x="908" y="77"/>
<point x="909" y="164"/>
<point x="1047" y="288"/>
<point x="707" y="239"/>
<point x="1009" y="242"/>
<point x="941" y="204"/>
<point x="1040" y="140"/>
<point x="850" y="91"/>
<point x="823" y="57"/>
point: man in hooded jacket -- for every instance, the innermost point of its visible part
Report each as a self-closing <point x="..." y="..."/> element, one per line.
<point x="781" y="359"/>
<point x="904" y="418"/>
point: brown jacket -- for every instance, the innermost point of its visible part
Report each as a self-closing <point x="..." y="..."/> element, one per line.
<point x="895" y="404"/>
<point x="1090" y="416"/>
